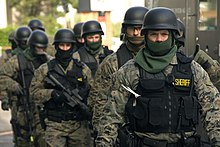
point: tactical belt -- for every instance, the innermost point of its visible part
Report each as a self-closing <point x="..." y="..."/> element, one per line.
<point x="189" y="142"/>
<point x="156" y="143"/>
<point x="60" y="116"/>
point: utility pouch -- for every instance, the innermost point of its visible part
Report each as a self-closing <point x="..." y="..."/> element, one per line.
<point x="193" y="141"/>
<point x="127" y="138"/>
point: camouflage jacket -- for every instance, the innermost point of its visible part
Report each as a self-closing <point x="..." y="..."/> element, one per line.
<point x="37" y="90"/>
<point x="97" y="99"/>
<point x="211" y="66"/>
<point x="128" y="75"/>
<point x="9" y="72"/>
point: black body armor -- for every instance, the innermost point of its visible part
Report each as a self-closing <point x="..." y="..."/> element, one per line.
<point x="167" y="103"/>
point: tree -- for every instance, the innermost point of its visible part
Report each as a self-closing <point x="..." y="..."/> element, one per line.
<point x="45" y="10"/>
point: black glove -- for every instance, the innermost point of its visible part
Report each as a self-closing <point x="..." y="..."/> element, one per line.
<point x="57" y="96"/>
<point x="5" y="105"/>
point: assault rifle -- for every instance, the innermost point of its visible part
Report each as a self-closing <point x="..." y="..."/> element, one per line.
<point x="24" y="99"/>
<point x="72" y="98"/>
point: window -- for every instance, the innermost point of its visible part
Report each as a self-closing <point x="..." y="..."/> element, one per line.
<point x="207" y="15"/>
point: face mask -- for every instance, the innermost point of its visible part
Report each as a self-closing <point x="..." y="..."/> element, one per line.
<point x="159" y="48"/>
<point x="23" y="46"/>
<point x="136" y="40"/>
<point x="94" y="45"/>
<point x="13" y="45"/>
<point x="65" y="55"/>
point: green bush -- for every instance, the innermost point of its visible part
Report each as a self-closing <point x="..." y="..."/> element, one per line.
<point x="4" y="35"/>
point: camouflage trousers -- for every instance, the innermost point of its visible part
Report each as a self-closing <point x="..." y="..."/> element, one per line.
<point x="68" y="133"/>
<point x="19" y="126"/>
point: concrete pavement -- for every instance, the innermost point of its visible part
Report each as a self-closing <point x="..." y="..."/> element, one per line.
<point x="6" y="135"/>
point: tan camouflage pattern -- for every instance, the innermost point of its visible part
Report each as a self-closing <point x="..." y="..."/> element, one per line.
<point x="102" y="81"/>
<point x="8" y="73"/>
<point x="50" y="48"/>
<point x="78" y="133"/>
<point x="5" y="56"/>
<point x="128" y="75"/>
<point x="214" y="70"/>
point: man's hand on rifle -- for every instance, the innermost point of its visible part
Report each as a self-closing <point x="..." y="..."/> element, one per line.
<point x="16" y="89"/>
<point x="58" y="96"/>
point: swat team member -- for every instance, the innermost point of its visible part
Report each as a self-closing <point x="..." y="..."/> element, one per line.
<point x="11" y="39"/>
<point x="56" y="87"/>
<point x="21" y="36"/>
<point x="131" y="25"/>
<point x="93" y="52"/>
<point x="15" y="77"/>
<point x="166" y="89"/>
<point x="5" y="56"/>
<point x="77" y="29"/>
<point x="210" y="65"/>
<point x="180" y="39"/>
<point x="36" y="24"/>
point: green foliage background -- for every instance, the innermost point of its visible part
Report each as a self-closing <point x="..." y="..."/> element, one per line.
<point x="46" y="11"/>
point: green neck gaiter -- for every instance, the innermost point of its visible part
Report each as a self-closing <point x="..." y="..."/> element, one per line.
<point x="137" y="40"/>
<point x="135" y="43"/>
<point x="28" y="54"/>
<point x="159" y="48"/>
<point x="154" y="64"/>
<point x="94" y="47"/>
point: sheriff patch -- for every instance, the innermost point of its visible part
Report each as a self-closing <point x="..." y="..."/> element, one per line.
<point x="182" y="82"/>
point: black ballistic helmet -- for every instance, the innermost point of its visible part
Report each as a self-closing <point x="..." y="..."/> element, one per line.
<point x="181" y="38"/>
<point x="181" y="28"/>
<point x="22" y="33"/>
<point x="77" y="29"/>
<point x="11" y="36"/>
<point x="64" y="35"/>
<point x="38" y="38"/>
<point x="36" y="24"/>
<point x="134" y="16"/>
<point x="160" y="18"/>
<point x="91" y="26"/>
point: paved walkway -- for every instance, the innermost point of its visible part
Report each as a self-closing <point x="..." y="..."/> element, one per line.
<point x="6" y="135"/>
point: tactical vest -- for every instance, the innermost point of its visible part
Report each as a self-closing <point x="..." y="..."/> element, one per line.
<point x="73" y="79"/>
<point x="90" y="60"/>
<point x="123" y="55"/>
<point x="167" y="103"/>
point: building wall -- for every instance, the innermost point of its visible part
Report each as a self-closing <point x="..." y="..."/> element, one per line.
<point x="3" y="14"/>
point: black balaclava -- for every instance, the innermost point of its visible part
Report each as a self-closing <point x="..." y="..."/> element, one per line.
<point x="63" y="57"/>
